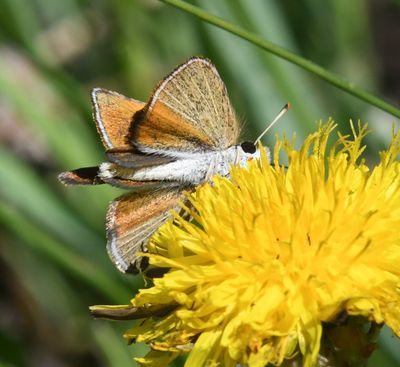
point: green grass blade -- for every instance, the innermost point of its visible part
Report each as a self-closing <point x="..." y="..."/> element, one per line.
<point x="324" y="74"/>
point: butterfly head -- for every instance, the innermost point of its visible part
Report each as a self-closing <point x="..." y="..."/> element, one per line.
<point x="248" y="151"/>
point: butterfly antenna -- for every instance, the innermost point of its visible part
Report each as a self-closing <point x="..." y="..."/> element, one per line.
<point x="277" y="117"/>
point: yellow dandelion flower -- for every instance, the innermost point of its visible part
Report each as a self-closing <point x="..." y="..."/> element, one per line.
<point x="274" y="253"/>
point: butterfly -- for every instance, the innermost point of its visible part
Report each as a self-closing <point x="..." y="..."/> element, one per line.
<point x="185" y="134"/>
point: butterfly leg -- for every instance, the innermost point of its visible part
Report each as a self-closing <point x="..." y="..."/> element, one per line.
<point x="237" y="160"/>
<point x="210" y="171"/>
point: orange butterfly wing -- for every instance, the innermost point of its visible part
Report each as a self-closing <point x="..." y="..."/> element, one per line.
<point x="132" y="219"/>
<point x="114" y="115"/>
<point x="190" y="111"/>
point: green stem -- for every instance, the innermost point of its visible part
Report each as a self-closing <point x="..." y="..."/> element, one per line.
<point x="330" y="77"/>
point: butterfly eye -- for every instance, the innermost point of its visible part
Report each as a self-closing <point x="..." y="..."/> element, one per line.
<point x="248" y="147"/>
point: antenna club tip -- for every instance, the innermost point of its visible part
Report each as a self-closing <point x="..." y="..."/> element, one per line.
<point x="277" y="117"/>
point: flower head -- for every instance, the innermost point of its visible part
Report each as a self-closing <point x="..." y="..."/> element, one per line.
<point x="273" y="253"/>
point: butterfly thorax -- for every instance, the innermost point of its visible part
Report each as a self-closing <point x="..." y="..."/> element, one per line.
<point x="190" y="168"/>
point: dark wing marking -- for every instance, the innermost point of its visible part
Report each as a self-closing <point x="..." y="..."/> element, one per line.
<point x="81" y="176"/>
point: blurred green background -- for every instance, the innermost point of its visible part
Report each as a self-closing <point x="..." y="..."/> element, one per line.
<point x="53" y="262"/>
